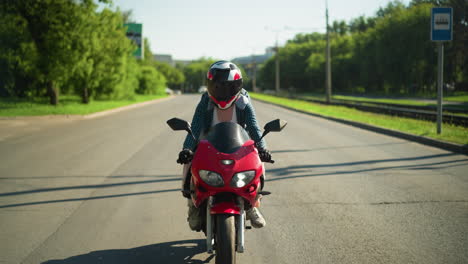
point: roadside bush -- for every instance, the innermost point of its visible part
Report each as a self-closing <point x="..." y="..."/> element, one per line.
<point x="151" y="81"/>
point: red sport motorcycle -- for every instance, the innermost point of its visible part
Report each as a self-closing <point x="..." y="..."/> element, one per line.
<point x="227" y="179"/>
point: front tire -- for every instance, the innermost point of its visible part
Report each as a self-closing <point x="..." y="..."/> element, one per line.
<point x="225" y="239"/>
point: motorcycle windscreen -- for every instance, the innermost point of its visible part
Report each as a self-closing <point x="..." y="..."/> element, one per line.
<point x="227" y="137"/>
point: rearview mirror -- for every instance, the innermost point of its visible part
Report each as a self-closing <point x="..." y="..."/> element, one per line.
<point x="275" y="125"/>
<point x="179" y="124"/>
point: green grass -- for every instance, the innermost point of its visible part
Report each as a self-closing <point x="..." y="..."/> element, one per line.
<point x="409" y="102"/>
<point x="448" y="107"/>
<point x="450" y="133"/>
<point x="454" y="98"/>
<point x="457" y="98"/>
<point x="382" y="100"/>
<point x="68" y="105"/>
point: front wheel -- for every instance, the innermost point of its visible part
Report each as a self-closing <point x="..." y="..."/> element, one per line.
<point x="225" y="239"/>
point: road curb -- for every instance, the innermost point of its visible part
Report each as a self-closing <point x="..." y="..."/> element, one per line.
<point x="462" y="149"/>
<point x="124" y="108"/>
<point x="88" y="116"/>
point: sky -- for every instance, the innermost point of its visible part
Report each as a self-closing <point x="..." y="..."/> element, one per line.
<point x="190" y="29"/>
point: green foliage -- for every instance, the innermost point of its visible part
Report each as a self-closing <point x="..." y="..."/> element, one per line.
<point x="55" y="47"/>
<point x="151" y="81"/>
<point x="107" y="68"/>
<point x="18" y="57"/>
<point x="175" y="77"/>
<point x="390" y="53"/>
<point x="69" y="105"/>
<point x="455" y="134"/>
<point x="195" y="73"/>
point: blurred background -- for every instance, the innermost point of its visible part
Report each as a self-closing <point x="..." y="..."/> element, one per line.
<point x="113" y="50"/>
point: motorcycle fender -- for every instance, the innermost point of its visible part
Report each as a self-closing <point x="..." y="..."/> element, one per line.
<point x="225" y="208"/>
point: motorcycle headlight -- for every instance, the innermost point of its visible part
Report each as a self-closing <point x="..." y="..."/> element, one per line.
<point x="211" y="178"/>
<point x="242" y="178"/>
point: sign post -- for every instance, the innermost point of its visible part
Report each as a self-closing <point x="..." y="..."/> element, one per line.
<point x="135" y="33"/>
<point x="441" y="31"/>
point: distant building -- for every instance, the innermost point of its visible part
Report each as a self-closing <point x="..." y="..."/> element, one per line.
<point x="182" y="62"/>
<point x="257" y="59"/>
<point x="251" y="65"/>
<point x="166" y="58"/>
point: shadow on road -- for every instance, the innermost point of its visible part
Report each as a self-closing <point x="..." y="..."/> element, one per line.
<point x="176" y="252"/>
<point x="87" y="198"/>
<point x="88" y="176"/>
<point x="336" y="147"/>
<point x="94" y="186"/>
<point x="303" y="171"/>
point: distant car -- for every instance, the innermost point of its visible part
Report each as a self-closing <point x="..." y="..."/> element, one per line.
<point x="269" y="92"/>
<point x="202" y="89"/>
<point x="169" y="91"/>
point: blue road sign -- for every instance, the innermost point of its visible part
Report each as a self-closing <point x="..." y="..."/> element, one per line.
<point x="441" y="24"/>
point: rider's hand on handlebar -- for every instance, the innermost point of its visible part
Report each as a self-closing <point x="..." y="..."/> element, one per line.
<point x="265" y="155"/>
<point x="185" y="156"/>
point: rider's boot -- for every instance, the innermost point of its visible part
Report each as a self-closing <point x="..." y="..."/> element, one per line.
<point x="194" y="218"/>
<point x="256" y="218"/>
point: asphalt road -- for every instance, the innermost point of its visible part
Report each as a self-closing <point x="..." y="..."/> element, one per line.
<point x="106" y="190"/>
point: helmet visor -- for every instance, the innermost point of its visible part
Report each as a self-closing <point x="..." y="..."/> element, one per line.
<point x="225" y="90"/>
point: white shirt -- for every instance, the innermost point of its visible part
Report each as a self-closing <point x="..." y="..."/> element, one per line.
<point x="216" y="120"/>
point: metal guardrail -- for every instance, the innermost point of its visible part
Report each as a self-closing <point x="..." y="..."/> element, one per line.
<point x="416" y="112"/>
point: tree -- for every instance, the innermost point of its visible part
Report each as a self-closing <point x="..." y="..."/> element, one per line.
<point x="387" y="54"/>
<point x="174" y="76"/>
<point x="195" y="73"/>
<point x="52" y="26"/>
<point x="67" y="46"/>
<point x="151" y="81"/>
<point x="339" y="27"/>
<point x="107" y="68"/>
<point x="18" y="56"/>
<point x="361" y="24"/>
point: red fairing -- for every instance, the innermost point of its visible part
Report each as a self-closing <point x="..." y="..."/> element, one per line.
<point x="208" y="158"/>
<point x="225" y="208"/>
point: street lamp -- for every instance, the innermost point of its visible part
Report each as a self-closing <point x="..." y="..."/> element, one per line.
<point x="276" y="49"/>
<point x="277" y="64"/>
<point x="328" y="60"/>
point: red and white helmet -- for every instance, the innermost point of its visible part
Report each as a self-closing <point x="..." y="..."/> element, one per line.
<point x="224" y="83"/>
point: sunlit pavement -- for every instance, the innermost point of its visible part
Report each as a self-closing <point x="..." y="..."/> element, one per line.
<point x="106" y="190"/>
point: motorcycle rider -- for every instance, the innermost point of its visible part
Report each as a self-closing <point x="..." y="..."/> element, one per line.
<point x="224" y="101"/>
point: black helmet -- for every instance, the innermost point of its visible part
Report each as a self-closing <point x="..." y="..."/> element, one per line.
<point x="224" y="82"/>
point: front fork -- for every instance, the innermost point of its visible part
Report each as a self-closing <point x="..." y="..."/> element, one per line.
<point x="240" y="226"/>
<point x="209" y="226"/>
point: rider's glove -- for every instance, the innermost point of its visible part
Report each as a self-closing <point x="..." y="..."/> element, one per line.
<point x="185" y="156"/>
<point x="264" y="155"/>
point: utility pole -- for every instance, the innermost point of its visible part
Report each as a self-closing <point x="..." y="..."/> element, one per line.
<point x="277" y="63"/>
<point x="254" y="74"/>
<point x="277" y="67"/>
<point x="328" y="61"/>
